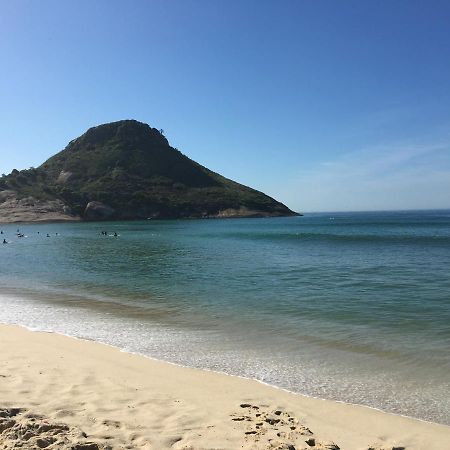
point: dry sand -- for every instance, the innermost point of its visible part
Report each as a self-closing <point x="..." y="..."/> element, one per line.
<point x="62" y="393"/>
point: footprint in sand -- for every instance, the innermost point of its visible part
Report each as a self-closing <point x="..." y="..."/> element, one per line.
<point x="396" y="447"/>
<point x="267" y="429"/>
<point x="276" y="430"/>
<point x="22" y="429"/>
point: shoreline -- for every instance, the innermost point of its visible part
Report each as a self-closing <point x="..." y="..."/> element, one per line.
<point x="135" y="344"/>
<point x="126" y="348"/>
<point x="329" y="420"/>
<point x="220" y="372"/>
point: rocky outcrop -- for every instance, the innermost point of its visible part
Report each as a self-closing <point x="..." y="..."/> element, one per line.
<point x="64" y="177"/>
<point x="29" y="209"/>
<point x="98" y="211"/>
<point x="242" y="212"/>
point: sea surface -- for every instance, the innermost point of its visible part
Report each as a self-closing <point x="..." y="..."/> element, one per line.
<point x="347" y="306"/>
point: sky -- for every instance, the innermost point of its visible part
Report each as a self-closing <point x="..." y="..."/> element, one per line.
<point x="324" y="105"/>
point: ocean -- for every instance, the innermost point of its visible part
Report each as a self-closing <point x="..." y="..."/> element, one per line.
<point x="352" y="307"/>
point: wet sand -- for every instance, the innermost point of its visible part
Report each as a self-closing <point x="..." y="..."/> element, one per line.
<point x="58" y="392"/>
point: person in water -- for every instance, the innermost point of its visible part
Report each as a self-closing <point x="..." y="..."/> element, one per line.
<point x="115" y="234"/>
<point x="4" y="241"/>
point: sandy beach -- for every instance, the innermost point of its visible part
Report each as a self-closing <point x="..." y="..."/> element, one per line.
<point x="60" y="392"/>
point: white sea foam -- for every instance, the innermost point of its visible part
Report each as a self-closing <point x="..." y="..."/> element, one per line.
<point x="192" y="348"/>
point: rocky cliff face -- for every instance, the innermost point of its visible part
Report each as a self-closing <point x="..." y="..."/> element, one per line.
<point x="127" y="170"/>
<point x="29" y="209"/>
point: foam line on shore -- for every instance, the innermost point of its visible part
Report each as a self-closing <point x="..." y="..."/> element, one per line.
<point x="143" y="355"/>
<point x="122" y="400"/>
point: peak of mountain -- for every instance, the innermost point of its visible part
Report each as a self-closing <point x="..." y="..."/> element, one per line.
<point x="128" y="170"/>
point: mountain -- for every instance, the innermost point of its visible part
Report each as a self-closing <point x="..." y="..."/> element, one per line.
<point x="126" y="170"/>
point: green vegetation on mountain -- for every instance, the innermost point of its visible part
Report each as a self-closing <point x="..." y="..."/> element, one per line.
<point x="128" y="170"/>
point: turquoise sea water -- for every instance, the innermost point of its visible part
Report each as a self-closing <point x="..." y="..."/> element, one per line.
<point x="346" y="306"/>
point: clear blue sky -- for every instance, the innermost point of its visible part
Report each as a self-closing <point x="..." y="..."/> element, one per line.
<point x="325" y="105"/>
